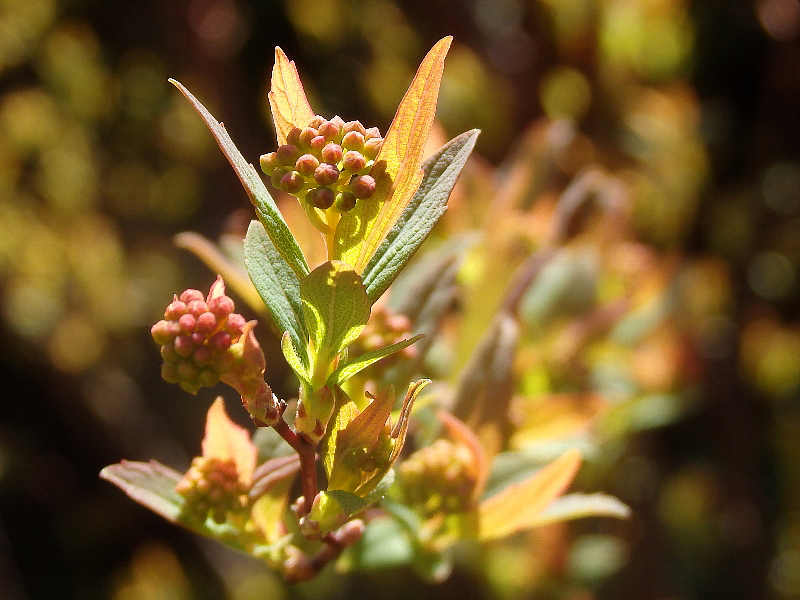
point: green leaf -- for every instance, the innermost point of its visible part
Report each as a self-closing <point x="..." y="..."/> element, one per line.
<point x="349" y="502"/>
<point x="336" y="309"/>
<point x="345" y="411"/>
<point x="346" y="371"/>
<point x="266" y="209"/>
<point x="429" y="203"/>
<point x="294" y="360"/>
<point x="385" y="544"/>
<point x="150" y="484"/>
<point x="276" y="283"/>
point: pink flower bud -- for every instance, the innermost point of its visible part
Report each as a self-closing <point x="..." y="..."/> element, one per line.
<point x="187" y="323"/>
<point x="183" y="345"/>
<point x="362" y="186"/>
<point x="353" y="140"/>
<point x="306" y="165"/>
<point x="354" y="126"/>
<point x="203" y="355"/>
<point x="321" y="197"/>
<point x="277" y="175"/>
<point x="372" y="132"/>
<point x="288" y="154"/>
<point x="197" y="307"/>
<point x="235" y="324"/>
<point x="292" y="182"/>
<point x="326" y="174"/>
<point x="308" y="134"/>
<point x="175" y="310"/>
<point x="221" y="306"/>
<point x="220" y="341"/>
<point x="330" y="130"/>
<point x="316" y="121"/>
<point x="198" y="339"/>
<point x="206" y="323"/>
<point x="317" y="144"/>
<point x="332" y="153"/>
<point x="188" y="295"/>
<point x="354" y="161"/>
<point x="187" y="370"/>
<point x="164" y="332"/>
<point x="293" y="137"/>
<point x="372" y="146"/>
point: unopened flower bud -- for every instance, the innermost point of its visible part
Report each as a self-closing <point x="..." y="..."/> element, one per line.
<point x="372" y="146"/>
<point x="221" y="306"/>
<point x="306" y="165"/>
<point x="362" y="186"/>
<point x="321" y="197"/>
<point x="354" y="161"/>
<point x="236" y="323"/>
<point x="293" y="137"/>
<point x="353" y="140"/>
<point x="277" y="175"/>
<point x="196" y="307"/>
<point x="187" y="323"/>
<point x="183" y="345"/>
<point x="169" y="372"/>
<point x="269" y="162"/>
<point x="220" y="341"/>
<point x="332" y="153"/>
<point x="354" y="126"/>
<point x="292" y="182"/>
<point x="308" y="134"/>
<point x="372" y="132"/>
<point x="316" y="121"/>
<point x="344" y="202"/>
<point x="288" y="154"/>
<point x="164" y="332"/>
<point x="188" y="295"/>
<point x="317" y="144"/>
<point x="330" y="131"/>
<point x="206" y="323"/>
<point x="326" y="174"/>
<point x="175" y="310"/>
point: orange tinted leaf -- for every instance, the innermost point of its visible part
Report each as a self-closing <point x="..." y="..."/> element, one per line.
<point x="226" y="440"/>
<point x="287" y="98"/>
<point x="462" y="434"/>
<point x="397" y="166"/>
<point x="520" y="505"/>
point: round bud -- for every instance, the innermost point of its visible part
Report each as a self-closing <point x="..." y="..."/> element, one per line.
<point x="321" y="197"/>
<point x="203" y="355"/>
<point x="326" y="174"/>
<point x="198" y="339"/>
<point x="316" y="121"/>
<point x="187" y="323"/>
<point x="353" y="140"/>
<point x="372" y="146"/>
<point x="308" y="134"/>
<point x="187" y="370"/>
<point x="372" y="132"/>
<point x="196" y="307"/>
<point x="175" y="310"/>
<point x="317" y="144"/>
<point x="344" y="202"/>
<point x="235" y="324"/>
<point x="330" y="131"/>
<point x="183" y="345"/>
<point x="332" y="153"/>
<point x="293" y="137"/>
<point x="268" y="162"/>
<point x="207" y="377"/>
<point x="168" y="353"/>
<point x="277" y="175"/>
<point x="206" y="323"/>
<point x="221" y="306"/>
<point x="292" y="182"/>
<point x="306" y="165"/>
<point x="354" y="126"/>
<point x="220" y="341"/>
<point x="362" y="186"/>
<point x="288" y="154"/>
<point x="354" y="161"/>
<point x="189" y="295"/>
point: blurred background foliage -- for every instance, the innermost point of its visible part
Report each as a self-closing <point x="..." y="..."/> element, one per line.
<point x="668" y="317"/>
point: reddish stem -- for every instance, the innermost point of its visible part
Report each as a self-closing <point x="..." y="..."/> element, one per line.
<point x="308" y="460"/>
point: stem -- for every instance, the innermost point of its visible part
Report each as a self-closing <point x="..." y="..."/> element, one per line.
<point x="332" y="217"/>
<point x="306" y="451"/>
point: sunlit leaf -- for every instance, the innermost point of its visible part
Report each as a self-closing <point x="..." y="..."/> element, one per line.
<point x="349" y="502"/>
<point x="520" y="505"/>
<point x="397" y="166"/>
<point x="287" y="99"/>
<point x="226" y="440"/>
<point x="276" y="283"/>
<point x="346" y="371"/>
<point x="294" y="359"/>
<point x="344" y="412"/>
<point x="336" y="310"/>
<point x="266" y="209"/>
<point x="429" y="203"/>
<point x="150" y="484"/>
<point x="577" y="506"/>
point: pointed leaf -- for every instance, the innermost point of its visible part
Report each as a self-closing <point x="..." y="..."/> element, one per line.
<point x="150" y="484"/>
<point x="336" y="310"/>
<point x="401" y="427"/>
<point x="287" y="99"/>
<point x="345" y="411"/>
<point x="520" y="505"/>
<point x="429" y="203"/>
<point x="349" y="502"/>
<point x="226" y="440"/>
<point x="276" y="283"/>
<point x="266" y="209"/>
<point x="346" y="371"/>
<point x="577" y="506"/>
<point x="293" y="358"/>
<point x="363" y="431"/>
<point x="397" y="173"/>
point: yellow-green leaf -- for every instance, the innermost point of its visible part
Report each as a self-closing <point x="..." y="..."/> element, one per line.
<point x="226" y="440"/>
<point x="287" y="98"/>
<point x="520" y="505"/>
<point x="397" y="166"/>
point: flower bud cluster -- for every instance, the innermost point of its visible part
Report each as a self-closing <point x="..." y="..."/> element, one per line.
<point x="212" y="488"/>
<point x="195" y="337"/>
<point x="384" y="329"/>
<point x="438" y="478"/>
<point x="327" y="164"/>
